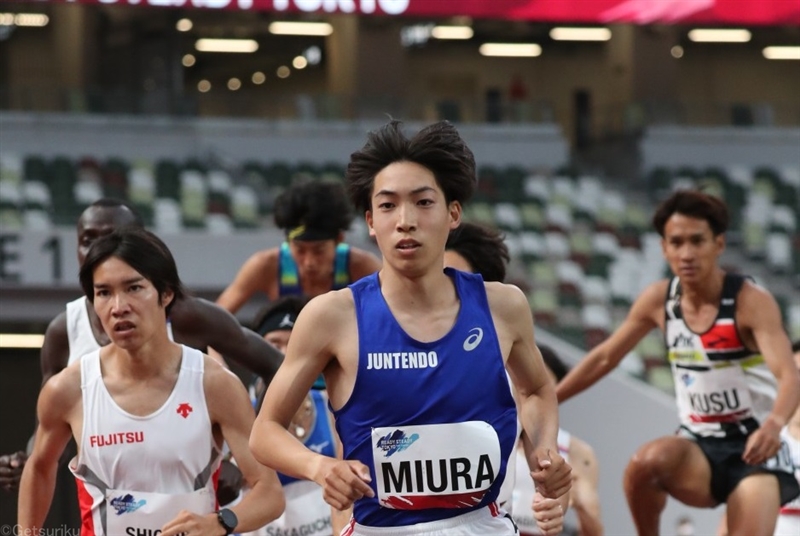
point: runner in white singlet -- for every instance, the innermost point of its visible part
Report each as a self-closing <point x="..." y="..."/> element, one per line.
<point x="149" y="416"/>
<point x="77" y="331"/>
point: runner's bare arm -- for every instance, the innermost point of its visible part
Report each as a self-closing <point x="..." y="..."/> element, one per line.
<point x="54" y="355"/>
<point x="251" y="278"/>
<point x="58" y="399"/>
<point x="219" y="329"/>
<point x="538" y="407"/>
<point x="604" y="357"/>
<point x="264" y="502"/>
<point x="53" y="359"/>
<point x="310" y="350"/>
<point x="584" y="497"/>
<point x="758" y="312"/>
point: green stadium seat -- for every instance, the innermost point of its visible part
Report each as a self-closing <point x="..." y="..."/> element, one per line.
<point x="35" y="169"/>
<point x="168" y="182"/>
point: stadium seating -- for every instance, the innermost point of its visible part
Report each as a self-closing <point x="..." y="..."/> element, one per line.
<point x="581" y="251"/>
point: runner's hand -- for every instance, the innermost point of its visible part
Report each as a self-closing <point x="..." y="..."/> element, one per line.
<point x="554" y="475"/>
<point x="190" y="524"/>
<point x="549" y="515"/>
<point x="762" y="444"/>
<point x="11" y="466"/>
<point x="344" y="482"/>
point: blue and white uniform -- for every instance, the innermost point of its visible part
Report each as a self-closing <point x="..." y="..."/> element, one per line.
<point x="435" y="422"/>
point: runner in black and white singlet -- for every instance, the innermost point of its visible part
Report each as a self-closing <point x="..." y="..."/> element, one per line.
<point x="149" y="416"/>
<point x="735" y="382"/>
<point x="421" y="455"/>
<point x="723" y="389"/>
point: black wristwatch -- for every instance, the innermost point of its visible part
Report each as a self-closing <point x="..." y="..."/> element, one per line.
<point x="228" y="520"/>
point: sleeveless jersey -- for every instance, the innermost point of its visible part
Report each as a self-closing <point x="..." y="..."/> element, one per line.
<point x="522" y="497"/>
<point x="435" y="422"/>
<point x="79" y="330"/>
<point x="289" y="277"/>
<point x="722" y="388"/>
<point x="134" y="474"/>
<point x="306" y="511"/>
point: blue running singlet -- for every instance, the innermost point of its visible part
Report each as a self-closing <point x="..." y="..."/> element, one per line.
<point x="434" y="421"/>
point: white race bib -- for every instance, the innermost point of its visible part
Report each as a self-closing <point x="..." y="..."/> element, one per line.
<point x="137" y="512"/>
<point x="436" y="465"/>
<point x="713" y="396"/>
<point x="306" y="512"/>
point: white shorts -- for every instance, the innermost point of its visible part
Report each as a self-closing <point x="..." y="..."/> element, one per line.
<point x="490" y="520"/>
<point x="788" y="525"/>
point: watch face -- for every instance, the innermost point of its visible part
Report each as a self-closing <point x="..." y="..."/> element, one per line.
<point x="228" y="519"/>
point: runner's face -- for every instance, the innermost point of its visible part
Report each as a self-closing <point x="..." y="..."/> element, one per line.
<point x="314" y="258"/>
<point x="690" y="248"/>
<point x="410" y="218"/>
<point x="127" y="304"/>
<point x="278" y="338"/>
<point x="96" y="222"/>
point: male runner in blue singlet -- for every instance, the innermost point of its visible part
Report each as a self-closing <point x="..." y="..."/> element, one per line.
<point x="415" y="362"/>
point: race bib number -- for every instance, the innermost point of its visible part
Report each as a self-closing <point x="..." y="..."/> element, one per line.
<point x="435" y="466"/>
<point x="135" y="513"/>
<point x="714" y="396"/>
<point x="306" y="512"/>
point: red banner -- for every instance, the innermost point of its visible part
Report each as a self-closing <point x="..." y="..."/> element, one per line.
<point x="717" y="12"/>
